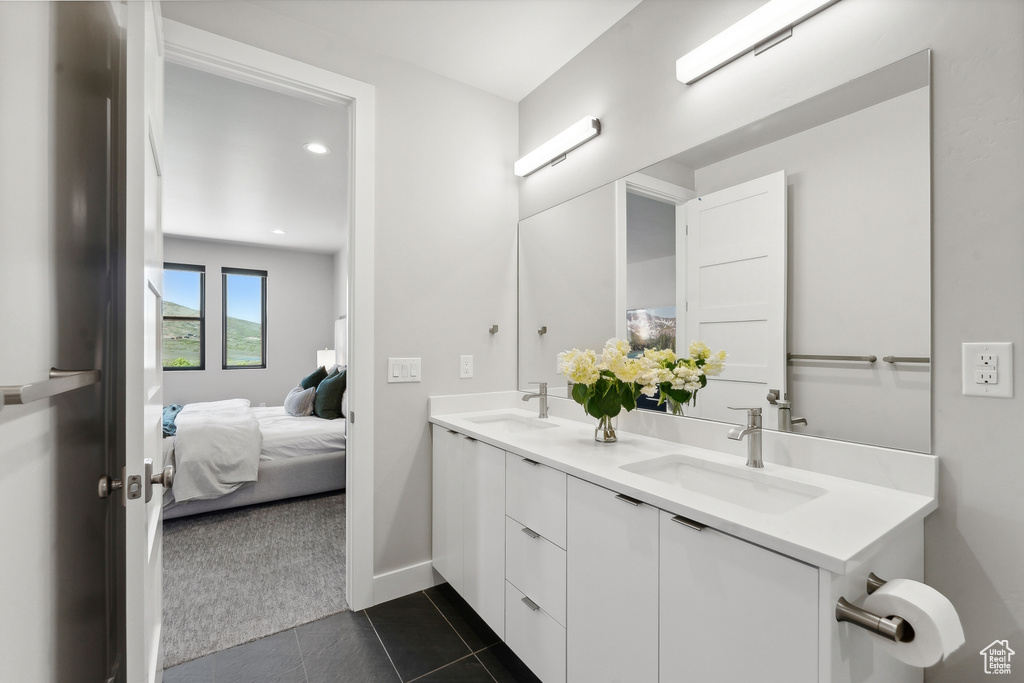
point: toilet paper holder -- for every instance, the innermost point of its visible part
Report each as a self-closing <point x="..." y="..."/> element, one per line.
<point x="892" y="627"/>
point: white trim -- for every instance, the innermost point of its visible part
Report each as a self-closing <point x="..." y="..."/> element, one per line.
<point x="653" y="188"/>
<point x="215" y="54"/>
<point x="395" y="584"/>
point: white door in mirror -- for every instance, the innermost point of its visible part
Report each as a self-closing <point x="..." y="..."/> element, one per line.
<point x="988" y="369"/>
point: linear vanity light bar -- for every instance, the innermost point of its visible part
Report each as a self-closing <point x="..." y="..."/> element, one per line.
<point x="764" y="23"/>
<point x="569" y="139"/>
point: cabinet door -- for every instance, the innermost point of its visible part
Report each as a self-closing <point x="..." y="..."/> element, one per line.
<point x="446" y="543"/>
<point x="731" y="610"/>
<point x="611" y="588"/>
<point x="484" y="531"/>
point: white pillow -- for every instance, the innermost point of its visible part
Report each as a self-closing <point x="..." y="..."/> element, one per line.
<point x="299" y="401"/>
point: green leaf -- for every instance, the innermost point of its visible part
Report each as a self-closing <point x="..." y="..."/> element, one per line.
<point x="579" y="392"/>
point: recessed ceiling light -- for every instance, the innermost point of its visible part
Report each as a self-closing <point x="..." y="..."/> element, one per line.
<point x="277" y="232"/>
<point x="317" y="148"/>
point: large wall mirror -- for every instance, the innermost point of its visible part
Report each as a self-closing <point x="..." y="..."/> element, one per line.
<point x="800" y="244"/>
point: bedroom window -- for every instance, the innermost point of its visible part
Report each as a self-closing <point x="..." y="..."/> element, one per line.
<point x="245" y="318"/>
<point x="184" y="317"/>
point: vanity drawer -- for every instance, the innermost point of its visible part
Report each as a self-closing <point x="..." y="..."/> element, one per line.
<point x="535" y="497"/>
<point x="534" y="636"/>
<point x="535" y="566"/>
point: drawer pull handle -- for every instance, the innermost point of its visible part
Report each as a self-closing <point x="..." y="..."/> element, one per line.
<point x="696" y="526"/>
<point x="452" y="431"/>
<point x="530" y="532"/>
<point x="627" y="499"/>
<point x="530" y="462"/>
<point x="469" y="438"/>
<point x="531" y="604"/>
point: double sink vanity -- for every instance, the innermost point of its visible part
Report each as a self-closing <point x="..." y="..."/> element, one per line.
<point x="667" y="559"/>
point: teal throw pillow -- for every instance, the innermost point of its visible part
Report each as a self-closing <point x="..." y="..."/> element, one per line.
<point x="314" y="378"/>
<point x="327" y="403"/>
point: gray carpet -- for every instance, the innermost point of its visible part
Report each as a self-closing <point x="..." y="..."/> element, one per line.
<point x="237" y="575"/>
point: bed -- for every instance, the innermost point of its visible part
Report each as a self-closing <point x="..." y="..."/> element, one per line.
<point x="283" y="456"/>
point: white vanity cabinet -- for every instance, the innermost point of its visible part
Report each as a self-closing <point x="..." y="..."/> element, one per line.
<point x="731" y="610"/>
<point x="612" y="587"/>
<point x="535" y="558"/>
<point x="469" y="522"/>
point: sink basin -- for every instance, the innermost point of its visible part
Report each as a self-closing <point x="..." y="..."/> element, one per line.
<point x="511" y="423"/>
<point x="746" y="487"/>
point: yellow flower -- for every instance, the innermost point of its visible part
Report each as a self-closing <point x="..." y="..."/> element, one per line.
<point x="579" y="366"/>
<point x="714" y="365"/>
<point x="660" y="355"/>
<point x="699" y="350"/>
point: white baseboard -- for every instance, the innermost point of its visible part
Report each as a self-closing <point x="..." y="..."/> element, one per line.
<point x="395" y="584"/>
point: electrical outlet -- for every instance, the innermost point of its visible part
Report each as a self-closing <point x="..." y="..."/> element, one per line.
<point x="465" y="367"/>
<point x="987" y="369"/>
<point x="986" y="377"/>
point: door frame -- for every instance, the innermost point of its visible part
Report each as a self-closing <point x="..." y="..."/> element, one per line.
<point x="652" y="188"/>
<point x="198" y="49"/>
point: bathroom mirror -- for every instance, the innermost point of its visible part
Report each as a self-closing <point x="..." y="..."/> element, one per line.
<point x="856" y="280"/>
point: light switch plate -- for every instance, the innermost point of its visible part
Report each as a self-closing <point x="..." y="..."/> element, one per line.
<point x="988" y="369"/>
<point x="403" y="370"/>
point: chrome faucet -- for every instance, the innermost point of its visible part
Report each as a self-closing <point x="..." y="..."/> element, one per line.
<point x="786" y="419"/>
<point x="542" y="394"/>
<point x="753" y="433"/>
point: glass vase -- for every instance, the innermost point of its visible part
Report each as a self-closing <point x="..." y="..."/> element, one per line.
<point x="673" y="407"/>
<point x="605" y="430"/>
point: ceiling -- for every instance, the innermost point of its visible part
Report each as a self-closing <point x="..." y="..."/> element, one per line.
<point x="506" y="47"/>
<point x="234" y="166"/>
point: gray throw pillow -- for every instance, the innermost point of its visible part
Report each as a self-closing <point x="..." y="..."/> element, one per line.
<point x="299" y="401"/>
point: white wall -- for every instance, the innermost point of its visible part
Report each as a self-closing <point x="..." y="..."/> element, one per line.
<point x="859" y="267"/>
<point x="445" y="267"/>
<point x="300" y="319"/>
<point x="973" y="552"/>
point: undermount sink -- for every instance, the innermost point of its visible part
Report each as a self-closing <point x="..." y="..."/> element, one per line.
<point x="511" y="423"/>
<point x="749" y="488"/>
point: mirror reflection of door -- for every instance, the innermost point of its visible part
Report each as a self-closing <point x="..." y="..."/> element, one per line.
<point x="735" y="294"/>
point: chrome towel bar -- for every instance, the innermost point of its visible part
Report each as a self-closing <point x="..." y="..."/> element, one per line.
<point x="892" y="627"/>
<point x="907" y="359"/>
<point x="812" y="356"/>
<point x="59" y="382"/>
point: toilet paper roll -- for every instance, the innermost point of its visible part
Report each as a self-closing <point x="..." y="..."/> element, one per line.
<point x="937" y="628"/>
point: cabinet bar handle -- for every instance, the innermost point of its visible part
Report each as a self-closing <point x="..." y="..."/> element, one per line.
<point x="452" y="431"/>
<point x="696" y="526"/>
<point x="531" y="604"/>
<point x="530" y="532"/>
<point x="627" y="499"/>
<point x="530" y="462"/>
<point x="469" y="438"/>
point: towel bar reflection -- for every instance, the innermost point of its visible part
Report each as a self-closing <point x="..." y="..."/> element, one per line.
<point x="892" y="627"/>
<point x="59" y="382"/>
<point x="906" y="359"/>
<point x="813" y="356"/>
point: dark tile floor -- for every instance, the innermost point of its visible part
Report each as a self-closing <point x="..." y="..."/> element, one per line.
<point x="428" y="636"/>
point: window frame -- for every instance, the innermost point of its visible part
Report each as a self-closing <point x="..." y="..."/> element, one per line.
<point x="262" y="274"/>
<point x="191" y="268"/>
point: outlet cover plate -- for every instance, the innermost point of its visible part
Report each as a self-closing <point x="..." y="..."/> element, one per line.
<point x="988" y="369"/>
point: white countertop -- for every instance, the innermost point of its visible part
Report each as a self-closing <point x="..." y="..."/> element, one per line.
<point x="833" y="531"/>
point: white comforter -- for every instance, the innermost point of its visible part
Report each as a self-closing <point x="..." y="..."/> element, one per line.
<point x="216" y="449"/>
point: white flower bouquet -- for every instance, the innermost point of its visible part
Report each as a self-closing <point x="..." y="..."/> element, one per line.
<point x="605" y="387"/>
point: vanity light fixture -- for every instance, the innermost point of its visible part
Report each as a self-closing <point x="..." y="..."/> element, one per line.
<point x="317" y="148"/>
<point x="557" y="147"/>
<point x="760" y="26"/>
